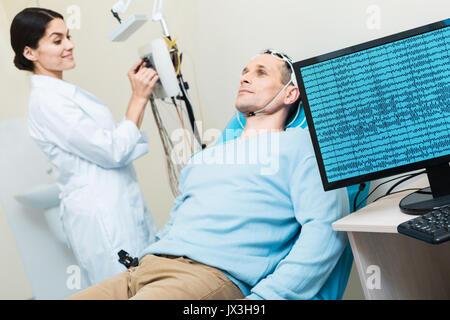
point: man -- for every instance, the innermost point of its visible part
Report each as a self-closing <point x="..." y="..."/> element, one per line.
<point x="236" y="230"/>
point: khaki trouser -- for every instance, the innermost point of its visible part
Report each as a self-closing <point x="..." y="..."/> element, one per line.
<point x="164" y="278"/>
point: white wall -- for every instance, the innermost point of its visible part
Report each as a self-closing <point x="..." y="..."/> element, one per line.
<point x="218" y="37"/>
<point x="14" y="85"/>
<point x="227" y="33"/>
<point x="45" y="260"/>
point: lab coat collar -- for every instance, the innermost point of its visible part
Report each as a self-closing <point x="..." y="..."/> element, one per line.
<point x="60" y="86"/>
<point x="83" y="99"/>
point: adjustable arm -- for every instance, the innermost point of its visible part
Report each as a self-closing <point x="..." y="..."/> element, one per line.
<point x="158" y="16"/>
<point x="121" y="6"/>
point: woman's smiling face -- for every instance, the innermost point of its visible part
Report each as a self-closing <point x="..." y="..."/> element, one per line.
<point x="54" y="53"/>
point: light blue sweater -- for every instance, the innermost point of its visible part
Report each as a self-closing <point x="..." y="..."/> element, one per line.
<point x="265" y="221"/>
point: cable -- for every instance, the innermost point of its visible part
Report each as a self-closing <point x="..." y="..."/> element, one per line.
<point x="412" y="189"/>
<point x="190" y="111"/>
<point x="199" y="104"/>
<point x="362" y="186"/>
<point x="173" y="161"/>
<point x="168" y="148"/>
<point x="174" y="169"/>
<point x="410" y="175"/>
<point x="195" y="145"/>
<point x="359" y="204"/>
<point x="181" y="113"/>
<point x="401" y="181"/>
<point x="180" y="117"/>
<point x="173" y="49"/>
<point x="170" y="114"/>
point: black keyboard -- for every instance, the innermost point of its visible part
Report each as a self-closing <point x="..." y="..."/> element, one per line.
<point x="432" y="227"/>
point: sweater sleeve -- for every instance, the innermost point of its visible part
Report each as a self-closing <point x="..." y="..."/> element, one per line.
<point x="177" y="203"/>
<point x="303" y="272"/>
<point x="165" y="230"/>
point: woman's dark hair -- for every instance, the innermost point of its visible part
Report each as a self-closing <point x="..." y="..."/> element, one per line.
<point x="27" y="28"/>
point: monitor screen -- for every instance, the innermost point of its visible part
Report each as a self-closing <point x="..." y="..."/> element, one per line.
<point x="379" y="108"/>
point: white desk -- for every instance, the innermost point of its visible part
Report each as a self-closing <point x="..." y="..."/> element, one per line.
<point x="408" y="268"/>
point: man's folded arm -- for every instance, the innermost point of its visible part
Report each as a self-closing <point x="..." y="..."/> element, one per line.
<point x="315" y="253"/>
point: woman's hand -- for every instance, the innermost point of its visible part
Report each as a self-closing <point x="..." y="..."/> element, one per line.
<point x="142" y="80"/>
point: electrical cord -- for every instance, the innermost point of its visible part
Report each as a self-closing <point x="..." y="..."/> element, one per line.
<point x="180" y="118"/>
<point x="188" y="101"/>
<point x="401" y="181"/>
<point x="168" y="149"/>
<point x="362" y="186"/>
<point x="173" y="160"/>
<point x="412" y="189"/>
<point x="194" y="68"/>
<point x="409" y="176"/>
<point x="181" y="115"/>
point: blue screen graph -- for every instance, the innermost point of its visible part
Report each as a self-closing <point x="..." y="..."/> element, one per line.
<point x="383" y="107"/>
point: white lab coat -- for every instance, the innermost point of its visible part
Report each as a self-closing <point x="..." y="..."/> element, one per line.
<point x="102" y="207"/>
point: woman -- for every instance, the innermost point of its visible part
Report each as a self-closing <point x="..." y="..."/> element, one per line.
<point x="102" y="207"/>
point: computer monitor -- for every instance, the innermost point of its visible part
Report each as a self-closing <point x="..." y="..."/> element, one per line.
<point x="382" y="108"/>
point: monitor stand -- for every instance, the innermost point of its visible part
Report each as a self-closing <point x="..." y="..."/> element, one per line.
<point x="435" y="196"/>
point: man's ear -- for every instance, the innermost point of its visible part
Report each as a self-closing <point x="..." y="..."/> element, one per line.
<point x="29" y="53"/>
<point x="292" y="95"/>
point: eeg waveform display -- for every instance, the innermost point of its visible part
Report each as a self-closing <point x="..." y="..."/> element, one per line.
<point x="382" y="107"/>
